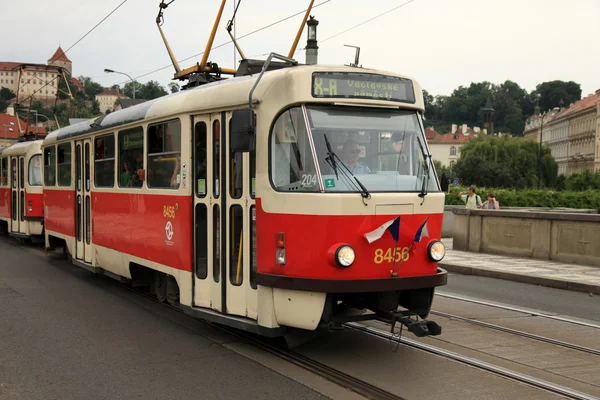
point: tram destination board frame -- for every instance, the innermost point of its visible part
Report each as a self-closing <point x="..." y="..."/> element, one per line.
<point x="360" y="85"/>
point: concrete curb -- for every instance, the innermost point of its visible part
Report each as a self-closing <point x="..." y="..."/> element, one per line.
<point x="512" y="276"/>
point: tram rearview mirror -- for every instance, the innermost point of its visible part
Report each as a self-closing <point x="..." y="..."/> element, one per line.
<point x="242" y="132"/>
<point x="444" y="182"/>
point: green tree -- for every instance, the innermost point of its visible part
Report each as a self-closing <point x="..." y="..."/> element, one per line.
<point x="504" y="162"/>
<point x="174" y="87"/>
<point x="96" y="107"/>
<point x="5" y="96"/>
<point x="557" y="94"/>
<point x="91" y="88"/>
<point x="128" y="89"/>
<point x="151" y="90"/>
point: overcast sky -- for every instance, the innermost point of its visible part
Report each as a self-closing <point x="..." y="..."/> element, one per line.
<point x="441" y="43"/>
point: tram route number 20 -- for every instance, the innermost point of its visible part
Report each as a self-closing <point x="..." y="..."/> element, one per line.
<point x="169" y="211"/>
<point x="389" y="255"/>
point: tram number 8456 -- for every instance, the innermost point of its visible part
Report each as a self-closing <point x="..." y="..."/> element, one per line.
<point x="391" y="255"/>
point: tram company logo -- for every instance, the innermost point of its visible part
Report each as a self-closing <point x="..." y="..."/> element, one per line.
<point x="169" y="233"/>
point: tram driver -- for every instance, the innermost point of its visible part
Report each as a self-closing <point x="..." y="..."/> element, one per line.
<point x="350" y="156"/>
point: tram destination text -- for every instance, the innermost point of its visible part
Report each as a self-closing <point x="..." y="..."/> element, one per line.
<point x="362" y="86"/>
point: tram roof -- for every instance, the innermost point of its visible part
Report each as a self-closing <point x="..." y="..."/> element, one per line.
<point x="21" y="148"/>
<point x="211" y="96"/>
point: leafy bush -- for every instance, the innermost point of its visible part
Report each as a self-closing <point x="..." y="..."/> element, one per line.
<point x="505" y="162"/>
<point x="588" y="199"/>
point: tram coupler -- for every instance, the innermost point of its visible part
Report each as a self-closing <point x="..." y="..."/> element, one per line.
<point x="419" y="327"/>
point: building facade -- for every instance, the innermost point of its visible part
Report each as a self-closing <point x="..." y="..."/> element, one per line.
<point x="38" y="81"/>
<point x="108" y="98"/>
<point x="445" y="148"/>
<point x="571" y="134"/>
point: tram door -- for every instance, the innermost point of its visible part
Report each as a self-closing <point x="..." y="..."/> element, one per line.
<point x="17" y="200"/>
<point x="83" y="206"/>
<point x="222" y="221"/>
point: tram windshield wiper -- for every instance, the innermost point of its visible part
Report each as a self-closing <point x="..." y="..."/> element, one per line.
<point x="331" y="157"/>
<point x="346" y="172"/>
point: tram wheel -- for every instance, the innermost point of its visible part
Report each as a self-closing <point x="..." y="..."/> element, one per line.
<point x="160" y="286"/>
<point x="172" y="291"/>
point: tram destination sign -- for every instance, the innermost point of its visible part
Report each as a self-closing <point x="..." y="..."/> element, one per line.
<point x="350" y="85"/>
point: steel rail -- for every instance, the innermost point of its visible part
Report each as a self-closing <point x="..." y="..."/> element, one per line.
<point x="504" y="372"/>
<point x="519" y="333"/>
<point x="340" y="378"/>
<point x="518" y="309"/>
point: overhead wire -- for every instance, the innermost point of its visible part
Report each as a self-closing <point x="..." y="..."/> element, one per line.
<point x="353" y="27"/>
<point x="229" y="42"/>
<point x="73" y="45"/>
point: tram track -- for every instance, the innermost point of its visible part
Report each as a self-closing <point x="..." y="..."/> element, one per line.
<point x="522" y="310"/>
<point x="366" y="389"/>
<point x="338" y="377"/>
<point x="479" y="364"/>
<point x="540" y="338"/>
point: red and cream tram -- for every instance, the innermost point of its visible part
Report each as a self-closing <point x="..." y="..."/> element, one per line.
<point x="328" y="211"/>
<point x="21" y="192"/>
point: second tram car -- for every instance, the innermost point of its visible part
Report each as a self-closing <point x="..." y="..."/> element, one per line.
<point x="21" y="192"/>
<point x="315" y="204"/>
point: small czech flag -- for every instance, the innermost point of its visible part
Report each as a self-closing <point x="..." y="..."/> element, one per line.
<point x="393" y="226"/>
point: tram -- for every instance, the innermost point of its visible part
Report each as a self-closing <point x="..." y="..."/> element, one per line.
<point x="21" y="191"/>
<point x="299" y="198"/>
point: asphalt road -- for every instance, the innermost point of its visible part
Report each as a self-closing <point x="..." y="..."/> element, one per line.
<point x="550" y="300"/>
<point x="67" y="334"/>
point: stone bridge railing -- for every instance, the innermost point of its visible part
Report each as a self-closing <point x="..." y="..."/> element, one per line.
<point x="544" y="234"/>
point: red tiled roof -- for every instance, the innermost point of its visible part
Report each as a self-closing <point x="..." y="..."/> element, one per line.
<point x="7" y="65"/>
<point x="59" y="55"/>
<point x="431" y="134"/>
<point x="581" y="105"/>
<point x="458" y="137"/>
<point x="76" y="82"/>
<point x="13" y="66"/>
<point x="6" y="119"/>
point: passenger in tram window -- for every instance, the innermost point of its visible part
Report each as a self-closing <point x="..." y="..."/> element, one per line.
<point x="350" y="155"/>
<point x="139" y="161"/>
<point x="128" y="178"/>
<point x="99" y="149"/>
<point x="156" y="139"/>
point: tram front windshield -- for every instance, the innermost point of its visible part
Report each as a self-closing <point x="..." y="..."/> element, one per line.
<point x="383" y="148"/>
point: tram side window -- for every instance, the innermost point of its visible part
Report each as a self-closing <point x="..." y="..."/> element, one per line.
<point x="50" y="166"/>
<point x="200" y="158"/>
<point x="104" y="161"/>
<point x="4" y="172"/>
<point x="216" y="157"/>
<point x="35" y="170"/>
<point x="64" y="164"/>
<point x="164" y="155"/>
<point x="236" y="255"/>
<point x="131" y="157"/>
<point x="236" y="172"/>
<point x="292" y="164"/>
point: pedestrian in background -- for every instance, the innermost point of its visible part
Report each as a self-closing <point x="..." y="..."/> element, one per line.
<point x="472" y="200"/>
<point x="491" y="203"/>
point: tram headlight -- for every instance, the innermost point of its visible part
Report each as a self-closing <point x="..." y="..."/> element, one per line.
<point x="344" y="256"/>
<point x="436" y="250"/>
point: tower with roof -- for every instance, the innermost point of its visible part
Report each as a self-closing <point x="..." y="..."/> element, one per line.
<point x="60" y="59"/>
<point x="488" y="115"/>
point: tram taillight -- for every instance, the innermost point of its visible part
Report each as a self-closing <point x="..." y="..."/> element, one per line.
<point x="280" y="252"/>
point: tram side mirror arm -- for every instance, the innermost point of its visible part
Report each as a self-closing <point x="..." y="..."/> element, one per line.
<point x="243" y="131"/>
